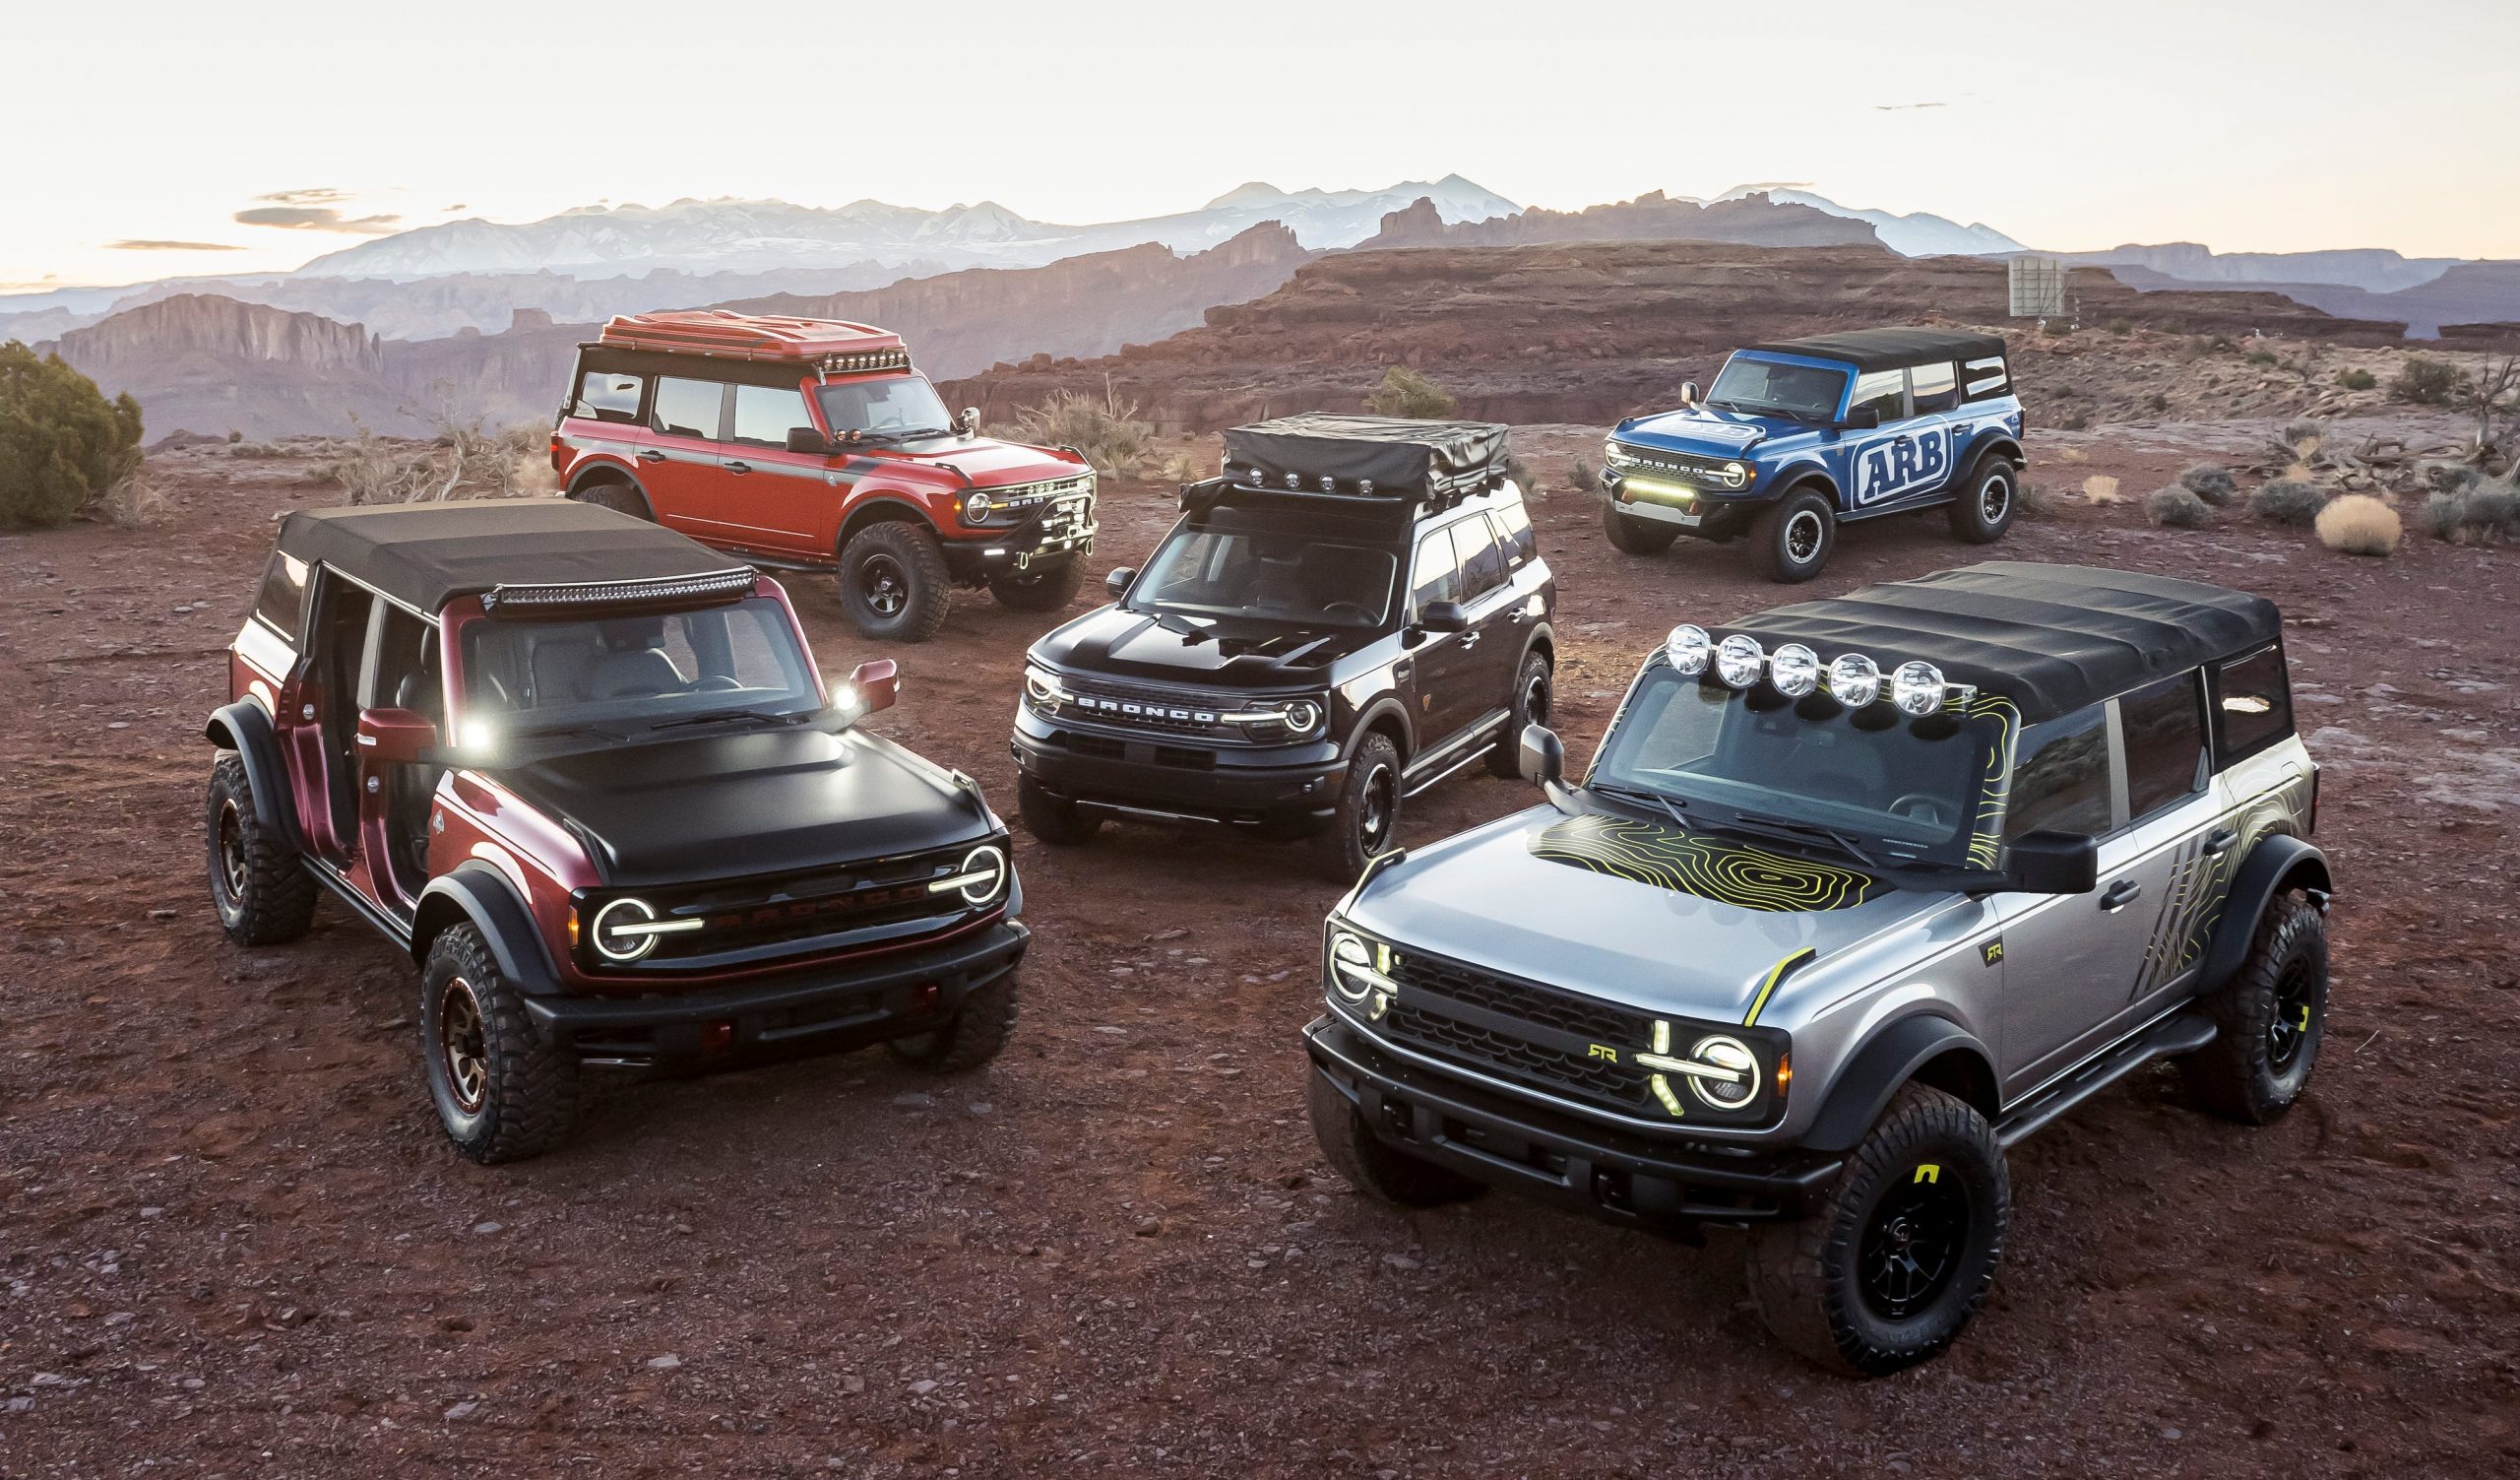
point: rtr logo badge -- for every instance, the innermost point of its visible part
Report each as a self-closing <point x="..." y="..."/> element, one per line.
<point x="1602" y="1051"/>
<point x="1993" y="951"/>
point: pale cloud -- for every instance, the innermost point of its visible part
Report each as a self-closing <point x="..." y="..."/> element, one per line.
<point x="317" y="219"/>
<point x="1906" y="108"/>
<point x="154" y="244"/>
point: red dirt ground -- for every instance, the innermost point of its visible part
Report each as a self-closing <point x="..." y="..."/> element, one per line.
<point x="233" y="1242"/>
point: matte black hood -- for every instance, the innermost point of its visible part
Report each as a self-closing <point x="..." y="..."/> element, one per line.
<point x="766" y="801"/>
<point x="1232" y="653"/>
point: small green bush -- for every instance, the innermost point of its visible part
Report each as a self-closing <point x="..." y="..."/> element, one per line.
<point x="2356" y="380"/>
<point x="2426" y="381"/>
<point x="1581" y="478"/>
<point x="2287" y="501"/>
<point x="2451" y="478"/>
<point x="2035" y="500"/>
<point x="2157" y="402"/>
<point x="2211" y="482"/>
<point x="62" y="444"/>
<point x="2492" y="510"/>
<point x="1404" y="392"/>
<point x="2176" y="508"/>
<point x="2122" y="326"/>
<point x="2444" y="513"/>
<point x="2263" y="359"/>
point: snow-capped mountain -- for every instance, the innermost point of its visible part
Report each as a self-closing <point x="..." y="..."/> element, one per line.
<point x="739" y="236"/>
<point x="1919" y="233"/>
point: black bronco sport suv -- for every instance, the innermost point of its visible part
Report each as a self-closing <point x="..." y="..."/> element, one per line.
<point x="1355" y="609"/>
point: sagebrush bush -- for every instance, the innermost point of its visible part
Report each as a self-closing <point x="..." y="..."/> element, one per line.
<point x="1404" y="392"/>
<point x="1183" y="468"/>
<point x="2492" y="510"/>
<point x="1106" y="431"/>
<point x="2122" y="326"/>
<point x="2356" y="380"/>
<point x="2451" y="478"/>
<point x="2287" y="501"/>
<point x="2035" y="500"/>
<point x="2177" y="508"/>
<point x="1520" y="473"/>
<point x="2100" y="487"/>
<point x="2262" y="359"/>
<point x="62" y="443"/>
<point x="2444" y="513"/>
<point x="2304" y="436"/>
<point x="2359" y="525"/>
<point x="134" y="502"/>
<point x="2426" y="381"/>
<point x="461" y="460"/>
<point x="2211" y="482"/>
<point x="1581" y="478"/>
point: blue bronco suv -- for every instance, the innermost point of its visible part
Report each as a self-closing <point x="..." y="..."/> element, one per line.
<point x="1800" y="436"/>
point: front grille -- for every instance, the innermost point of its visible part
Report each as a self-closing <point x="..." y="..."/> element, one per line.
<point x="1685" y="466"/>
<point x="1521" y="1031"/>
<point x="824" y="909"/>
<point x="1195" y="716"/>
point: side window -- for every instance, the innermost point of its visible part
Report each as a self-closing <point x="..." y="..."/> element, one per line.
<point x="2060" y="776"/>
<point x="1936" y="387"/>
<point x="2165" y="736"/>
<point x="281" y="604"/>
<point x="764" y="414"/>
<point x="1436" y="575"/>
<point x="609" y="396"/>
<point x="1985" y="379"/>
<point x="2252" y="705"/>
<point x="1514" y="533"/>
<point x="688" y="407"/>
<point x="1482" y="564"/>
<point x="1885" y="391"/>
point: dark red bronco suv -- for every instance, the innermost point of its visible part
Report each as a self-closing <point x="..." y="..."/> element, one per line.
<point x="812" y="444"/>
<point x="586" y="771"/>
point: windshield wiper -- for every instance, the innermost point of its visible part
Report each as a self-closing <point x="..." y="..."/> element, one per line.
<point x="1672" y="805"/>
<point x="580" y="727"/>
<point x="721" y="716"/>
<point x="1760" y="822"/>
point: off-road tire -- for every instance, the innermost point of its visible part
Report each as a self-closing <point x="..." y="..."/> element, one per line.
<point x="908" y="557"/>
<point x="1054" y="818"/>
<point x="1367" y="819"/>
<point x="1371" y="1167"/>
<point x="1995" y="481"/>
<point x="263" y="894"/>
<point x="1528" y="704"/>
<point x="1783" y="541"/>
<point x="2273" y="1016"/>
<point x="1047" y="588"/>
<point x="973" y="1037"/>
<point x="1808" y="1278"/>
<point x="526" y="1091"/>
<point x="620" y="497"/>
<point x="1631" y="536"/>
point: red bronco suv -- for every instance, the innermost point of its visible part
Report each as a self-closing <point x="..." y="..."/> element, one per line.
<point x="586" y="772"/>
<point x="812" y="444"/>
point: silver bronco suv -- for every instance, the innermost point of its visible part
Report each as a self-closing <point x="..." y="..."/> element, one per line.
<point x="1855" y="894"/>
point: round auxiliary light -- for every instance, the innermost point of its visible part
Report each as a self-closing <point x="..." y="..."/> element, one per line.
<point x="1365" y="486"/>
<point x="1329" y="484"/>
<point x="1725" y="1054"/>
<point x="1688" y="647"/>
<point x="1795" y="671"/>
<point x="1854" y="681"/>
<point x="1917" y="688"/>
<point x="1738" y="659"/>
<point x="1295" y="480"/>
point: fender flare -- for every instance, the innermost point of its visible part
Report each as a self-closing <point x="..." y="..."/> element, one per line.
<point x="1795" y="475"/>
<point x="586" y="475"/>
<point x="244" y="728"/>
<point x="1385" y="705"/>
<point x="1544" y="637"/>
<point x="874" y="508"/>
<point x="2277" y="864"/>
<point x="1880" y="1068"/>
<point x="479" y="894"/>
<point x="1993" y="442"/>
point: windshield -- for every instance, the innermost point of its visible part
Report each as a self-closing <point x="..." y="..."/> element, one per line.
<point x="1276" y="576"/>
<point x="1764" y="385"/>
<point x="1904" y="788"/>
<point x="622" y="676"/>
<point x="893" y="406"/>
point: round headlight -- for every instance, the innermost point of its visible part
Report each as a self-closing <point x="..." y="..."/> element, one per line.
<point x="1795" y="671"/>
<point x="979" y="506"/>
<point x="1917" y="688"/>
<point x="1725" y="1054"/>
<point x="982" y="874"/>
<point x="1042" y="691"/>
<point x="1854" y="681"/>
<point x="1687" y="648"/>
<point x="1736" y="473"/>
<point x="612" y="940"/>
<point x="1302" y="715"/>
<point x="1738" y="659"/>
<point x="1352" y="966"/>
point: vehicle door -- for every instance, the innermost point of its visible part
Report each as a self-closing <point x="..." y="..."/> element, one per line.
<point x="680" y="464"/>
<point x="1935" y="425"/>
<point x="2052" y="945"/>
<point x="1880" y="461"/>
<point x="324" y="698"/>
<point x="608" y="414"/>
<point x="1439" y="666"/>
<point x="770" y="496"/>
<point x="399" y="669"/>
<point x="1494" y="643"/>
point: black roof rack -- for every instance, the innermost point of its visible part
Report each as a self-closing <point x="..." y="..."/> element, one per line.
<point x="1378" y="462"/>
<point x="531" y="548"/>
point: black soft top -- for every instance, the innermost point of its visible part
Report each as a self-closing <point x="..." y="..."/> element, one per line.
<point x="2051" y="638"/>
<point x="426" y="554"/>
<point x="1890" y="349"/>
<point x="1397" y="454"/>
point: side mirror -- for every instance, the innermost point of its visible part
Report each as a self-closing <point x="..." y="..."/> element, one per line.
<point x="1116" y="584"/>
<point x="1861" y="419"/>
<point x="394" y="736"/>
<point x="806" y="439"/>
<point x="878" y="683"/>
<point x="1444" y="616"/>
<point x="1688" y="393"/>
<point x="2049" y="861"/>
<point x="968" y="420"/>
<point x="1544" y="756"/>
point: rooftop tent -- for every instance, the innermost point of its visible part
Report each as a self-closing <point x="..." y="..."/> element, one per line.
<point x="2051" y="638"/>
<point x="1399" y="456"/>
<point x="1889" y="348"/>
<point x="426" y="554"/>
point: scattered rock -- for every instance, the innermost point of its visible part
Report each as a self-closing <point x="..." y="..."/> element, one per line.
<point x="488" y="1227"/>
<point x="666" y="1363"/>
<point x="463" y="1411"/>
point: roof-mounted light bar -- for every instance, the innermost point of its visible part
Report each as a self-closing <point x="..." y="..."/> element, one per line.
<point x="1795" y="671"/>
<point x="722" y="584"/>
<point x="850" y="361"/>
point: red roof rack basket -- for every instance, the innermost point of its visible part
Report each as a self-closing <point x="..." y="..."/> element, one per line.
<point x="833" y="343"/>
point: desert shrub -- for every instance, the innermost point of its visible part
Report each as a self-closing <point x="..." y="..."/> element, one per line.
<point x="2211" y="482"/>
<point x="62" y="443"/>
<point x="2444" y="513"/>
<point x="2262" y="359"/>
<point x="2035" y="500"/>
<point x="1581" y="478"/>
<point x="2157" y="402"/>
<point x="134" y="502"/>
<point x="1520" y="471"/>
<point x="233" y="435"/>
<point x="2491" y="511"/>
<point x="2055" y="328"/>
<point x="2289" y="501"/>
<point x="2122" y="326"/>
<point x="1404" y="392"/>
<point x="462" y="460"/>
<point x="2071" y="420"/>
<point x="2356" y="380"/>
<point x="1183" y="468"/>
<point x="2451" y="478"/>
<point x="2100" y="487"/>
<point x="2359" y="525"/>
<point x="2176" y="508"/>
<point x="2304" y="437"/>
<point x="2426" y="381"/>
<point x="1105" y="429"/>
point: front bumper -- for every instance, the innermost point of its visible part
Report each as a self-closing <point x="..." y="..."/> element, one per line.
<point x="827" y="1009"/>
<point x="975" y="554"/>
<point x="1616" y="1174"/>
<point x="1707" y="515"/>
<point x="1292" y="787"/>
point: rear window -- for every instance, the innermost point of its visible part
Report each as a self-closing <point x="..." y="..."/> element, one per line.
<point x="1985" y="379"/>
<point x="1482" y="564"/>
<point x="609" y="396"/>
<point x="2252" y="705"/>
<point x="688" y="407"/>
<point x="281" y="604"/>
<point x="1936" y="387"/>
<point x="1514" y="532"/>
<point x="2165" y="733"/>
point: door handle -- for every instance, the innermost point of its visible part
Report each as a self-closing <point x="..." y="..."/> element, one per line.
<point x="2120" y="894"/>
<point x="2220" y="841"/>
<point x="1468" y="640"/>
<point x="651" y="455"/>
<point x="737" y="466"/>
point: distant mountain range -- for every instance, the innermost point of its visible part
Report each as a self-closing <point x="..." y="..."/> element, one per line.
<point x="1918" y="234"/>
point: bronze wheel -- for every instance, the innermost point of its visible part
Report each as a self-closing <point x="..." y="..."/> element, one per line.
<point x="463" y="1044"/>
